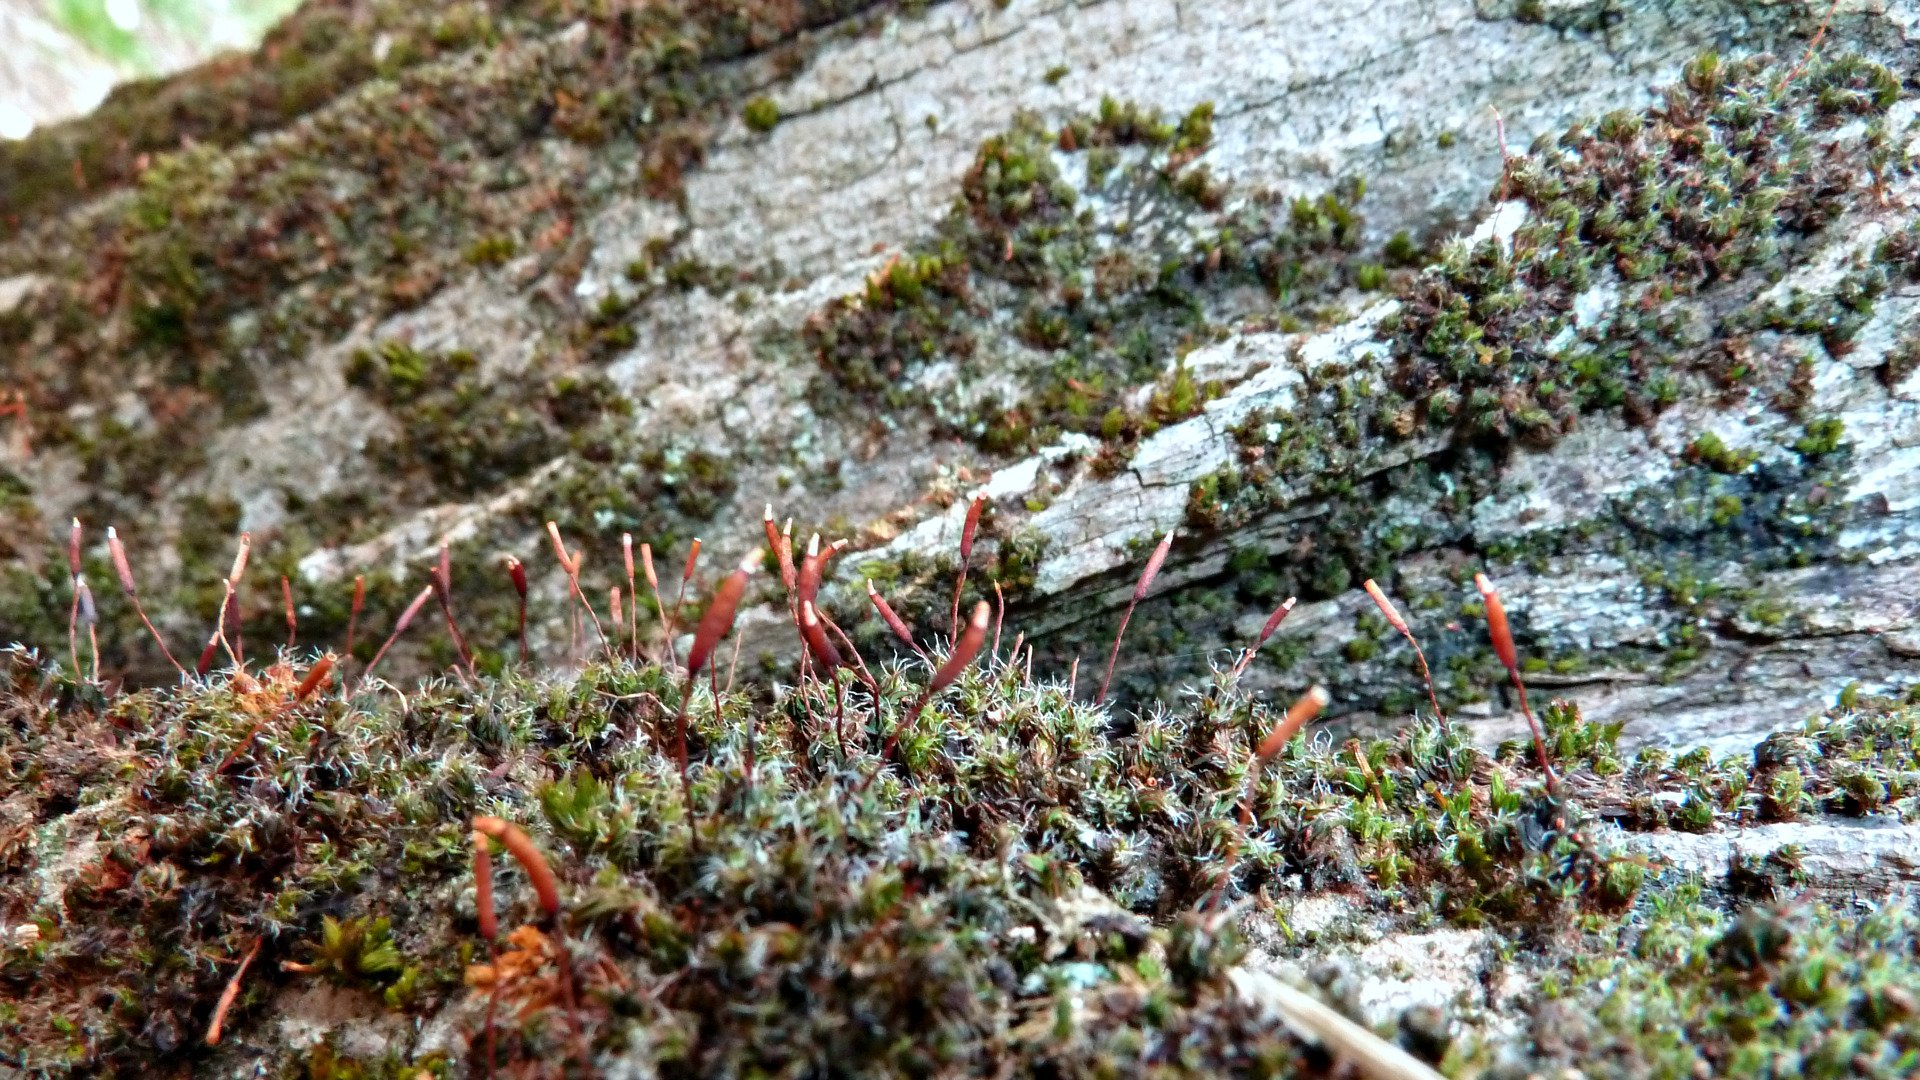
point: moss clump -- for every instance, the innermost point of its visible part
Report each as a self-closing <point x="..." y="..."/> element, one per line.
<point x="1485" y="352"/>
<point x="850" y="868"/>
<point x="234" y="255"/>
<point x="1101" y="272"/>
<point x="1690" y="990"/>
<point x="1710" y="451"/>
<point x="760" y="114"/>
<point x="460" y="431"/>
<point x="1729" y="174"/>
<point x="1822" y="437"/>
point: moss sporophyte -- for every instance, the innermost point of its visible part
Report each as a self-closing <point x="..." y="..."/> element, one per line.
<point x="937" y="862"/>
<point x="955" y="860"/>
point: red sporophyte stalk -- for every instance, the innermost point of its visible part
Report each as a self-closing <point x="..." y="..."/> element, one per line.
<point x="1154" y="563"/>
<point x="443" y="589"/>
<point x="718" y="619"/>
<point x="693" y="563"/>
<point x="859" y="662"/>
<point x="613" y="607"/>
<point x="230" y="994"/>
<point x="1305" y="708"/>
<point x="517" y="573"/>
<point x="713" y="626"/>
<point x="489" y="927"/>
<point x="483" y="886"/>
<point x="1502" y="636"/>
<point x="653" y="585"/>
<point x="812" y="571"/>
<point x="633" y="598"/>
<point x="236" y="642"/>
<point x="89" y="616"/>
<point x="316" y="675"/>
<point x="686" y="577"/>
<point x="546" y="887"/>
<point x="230" y="606"/>
<point x="1266" y="631"/>
<point x="73" y="612"/>
<point x="972" y="639"/>
<point x="359" y="605"/>
<point x="400" y="627"/>
<point x="1392" y="615"/>
<point x="782" y="551"/>
<point x="571" y="564"/>
<point x="813" y="634"/>
<point x="999" y="615"/>
<point x="293" y="621"/>
<point x="967" y="530"/>
<point x="894" y="621"/>
<point x="124" y="571"/>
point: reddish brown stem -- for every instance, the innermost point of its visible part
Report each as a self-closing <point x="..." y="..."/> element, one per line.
<point x="967" y="531"/>
<point x="443" y="589"/>
<point x="353" y="613"/>
<point x="400" y="627"/>
<point x="73" y="610"/>
<point x="972" y="639"/>
<point x="125" y="572"/>
<point x="546" y="887"/>
<point x="1392" y="615"/>
<point x="1154" y="562"/>
<point x="230" y="994"/>
<point x="1502" y="635"/>
<point x="1273" y="623"/>
<point x="653" y="584"/>
<point x="293" y="620"/>
<point x="633" y="598"/>
<point x="894" y="621"/>
<point x="518" y="574"/>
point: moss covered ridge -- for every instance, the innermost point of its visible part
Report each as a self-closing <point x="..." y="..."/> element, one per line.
<point x="1650" y="282"/>
<point x="1006" y="880"/>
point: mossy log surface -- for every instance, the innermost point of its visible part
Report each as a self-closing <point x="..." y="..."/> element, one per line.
<point x="1007" y="881"/>
<point x="1612" y="302"/>
<point x="413" y="276"/>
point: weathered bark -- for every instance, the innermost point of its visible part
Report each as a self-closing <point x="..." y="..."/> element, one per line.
<point x="249" y="411"/>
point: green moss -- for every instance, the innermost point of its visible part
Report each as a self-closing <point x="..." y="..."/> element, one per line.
<point x="760" y="114"/>
<point x="1710" y="451"/>
<point x="1471" y="343"/>
<point x="492" y="250"/>
<point x="939" y="899"/>
<point x="1096" y="309"/>
<point x="1821" y="437"/>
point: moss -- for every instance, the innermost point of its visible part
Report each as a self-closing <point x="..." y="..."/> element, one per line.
<point x="939" y="900"/>
<point x="236" y="255"/>
<point x="1471" y="343"/>
<point x="492" y="250"/>
<point x="760" y="114"/>
<point x="1097" y="308"/>
<point x="1821" y="437"/>
<point x="1710" y="451"/>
